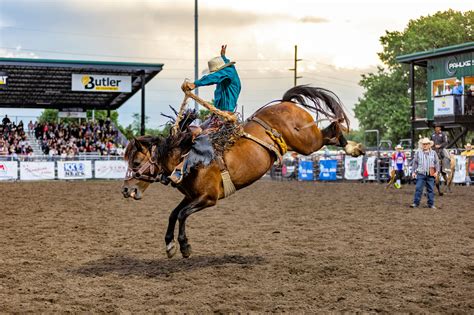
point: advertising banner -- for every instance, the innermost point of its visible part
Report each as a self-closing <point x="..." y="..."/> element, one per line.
<point x="353" y="168"/>
<point x="72" y="114"/>
<point x="305" y="170"/>
<point x="110" y="169"/>
<point x="8" y="170"/>
<point x="101" y="83"/>
<point x="327" y="169"/>
<point x="74" y="169"/>
<point x="36" y="170"/>
<point x="444" y="105"/>
<point x="371" y="168"/>
<point x="460" y="170"/>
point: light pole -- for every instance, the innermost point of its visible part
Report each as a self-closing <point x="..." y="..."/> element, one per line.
<point x="295" y="69"/>
<point x="196" y="60"/>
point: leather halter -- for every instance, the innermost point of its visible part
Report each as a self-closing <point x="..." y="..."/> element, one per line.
<point x="149" y="165"/>
<point x="280" y="149"/>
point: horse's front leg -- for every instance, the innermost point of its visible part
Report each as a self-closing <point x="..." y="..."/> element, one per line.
<point x="169" y="237"/>
<point x="195" y="206"/>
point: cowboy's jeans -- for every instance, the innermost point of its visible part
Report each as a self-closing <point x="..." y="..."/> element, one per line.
<point x="422" y="181"/>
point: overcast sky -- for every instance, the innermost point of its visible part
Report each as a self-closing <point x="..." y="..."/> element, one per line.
<point x="337" y="40"/>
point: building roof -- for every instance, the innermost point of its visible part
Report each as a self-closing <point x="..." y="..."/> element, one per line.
<point x="47" y="83"/>
<point x="421" y="58"/>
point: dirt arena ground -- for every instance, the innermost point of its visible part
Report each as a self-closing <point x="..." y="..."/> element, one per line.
<point x="272" y="247"/>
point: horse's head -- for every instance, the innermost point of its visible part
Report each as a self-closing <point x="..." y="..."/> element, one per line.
<point x="143" y="166"/>
<point x="152" y="159"/>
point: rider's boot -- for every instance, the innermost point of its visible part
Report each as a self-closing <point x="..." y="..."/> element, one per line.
<point x="398" y="184"/>
<point x="177" y="175"/>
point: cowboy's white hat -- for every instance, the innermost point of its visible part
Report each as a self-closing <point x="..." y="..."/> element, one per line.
<point x="399" y="147"/>
<point x="458" y="81"/>
<point x="217" y="63"/>
<point x="426" y="140"/>
<point x="468" y="145"/>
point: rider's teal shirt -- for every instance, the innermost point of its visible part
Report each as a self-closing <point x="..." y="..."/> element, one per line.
<point x="227" y="89"/>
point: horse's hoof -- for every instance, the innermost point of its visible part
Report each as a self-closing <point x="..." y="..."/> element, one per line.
<point x="171" y="249"/>
<point x="186" y="251"/>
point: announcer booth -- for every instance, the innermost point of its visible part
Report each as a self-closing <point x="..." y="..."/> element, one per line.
<point x="72" y="86"/>
<point x="445" y="67"/>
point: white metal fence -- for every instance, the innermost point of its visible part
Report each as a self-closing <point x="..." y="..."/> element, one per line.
<point x="42" y="167"/>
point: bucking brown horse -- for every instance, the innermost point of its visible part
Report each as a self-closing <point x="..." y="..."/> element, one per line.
<point x="152" y="159"/>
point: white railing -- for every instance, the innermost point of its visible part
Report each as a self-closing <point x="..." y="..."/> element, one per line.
<point x="43" y="167"/>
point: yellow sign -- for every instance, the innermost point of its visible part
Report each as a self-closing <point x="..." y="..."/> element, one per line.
<point x="101" y="83"/>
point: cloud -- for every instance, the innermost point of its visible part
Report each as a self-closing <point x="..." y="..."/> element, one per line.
<point x="313" y="19"/>
<point x="17" y="53"/>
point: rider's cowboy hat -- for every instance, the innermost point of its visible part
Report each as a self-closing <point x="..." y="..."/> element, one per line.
<point x="468" y="145"/>
<point x="458" y="81"/>
<point x="426" y="141"/>
<point x="217" y="63"/>
<point x="471" y="87"/>
<point x="399" y="147"/>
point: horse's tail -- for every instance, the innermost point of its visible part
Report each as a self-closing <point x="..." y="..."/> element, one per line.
<point x="331" y="106"/>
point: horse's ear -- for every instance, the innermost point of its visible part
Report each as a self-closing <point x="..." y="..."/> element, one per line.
<point x="138" y="145"/>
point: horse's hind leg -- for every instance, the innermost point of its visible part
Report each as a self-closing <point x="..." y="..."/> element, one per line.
<point x="194" y="206"/>
<point x="169" y="237"/>
<point x="438" y="184"/>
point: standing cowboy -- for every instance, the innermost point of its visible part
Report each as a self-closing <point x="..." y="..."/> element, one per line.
<point x="468" y="153"/>
<point x="398" y="163"/>
<point x="425" y="169"/>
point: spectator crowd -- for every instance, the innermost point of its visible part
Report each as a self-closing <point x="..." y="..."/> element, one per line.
<point x="68" y="140"/>
<point x="63" y="140"/>
<point x="13" y="139"/>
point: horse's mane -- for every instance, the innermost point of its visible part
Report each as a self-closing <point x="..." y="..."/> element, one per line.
<point x="180" y="139"/>
<point x="331" y="107"/>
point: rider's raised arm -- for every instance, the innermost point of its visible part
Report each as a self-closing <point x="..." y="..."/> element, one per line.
<point x="226" y="60"/>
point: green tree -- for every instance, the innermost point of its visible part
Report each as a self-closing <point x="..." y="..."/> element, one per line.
<point x="385" y="105"/>
<point x="102" y="115"/>
<point x="49" y="116"/>
<point x="133" y="130"/>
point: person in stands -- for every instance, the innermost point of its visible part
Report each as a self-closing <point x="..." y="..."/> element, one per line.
<point x="458" y="92"/>
<point x="469" y="101"/>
